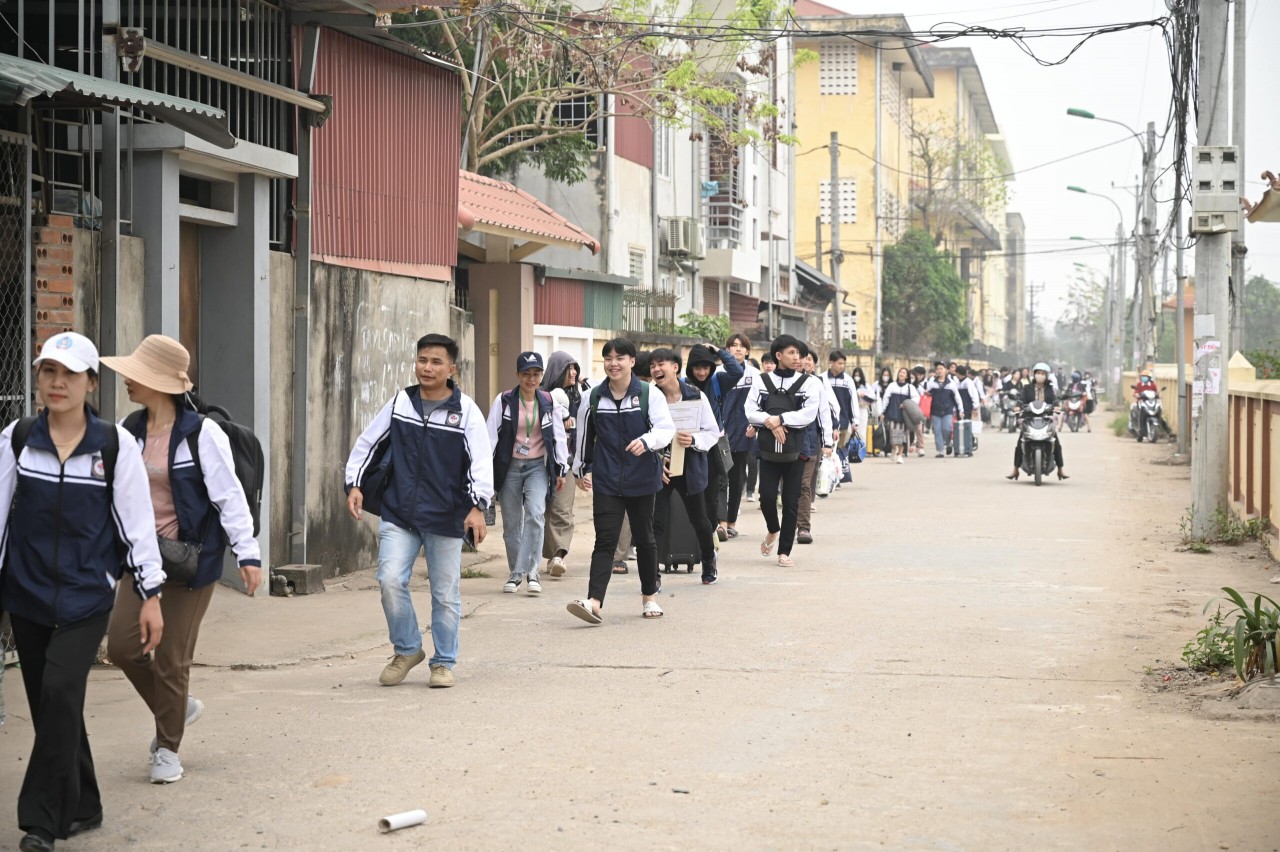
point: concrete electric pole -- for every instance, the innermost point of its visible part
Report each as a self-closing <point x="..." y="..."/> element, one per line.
<point x="1212" y="308"/>
<point x="837" y="257"/>
<point x="1146" y="311"/>
<point x="1238" y="248"/>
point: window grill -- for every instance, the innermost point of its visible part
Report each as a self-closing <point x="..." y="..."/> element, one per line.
<point x="723" y="165"/>
<point x="837" y="68"/>
<point x="848" y="201"/>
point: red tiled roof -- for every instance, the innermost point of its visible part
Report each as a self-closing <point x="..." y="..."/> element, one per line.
<point x="499" y="205"/>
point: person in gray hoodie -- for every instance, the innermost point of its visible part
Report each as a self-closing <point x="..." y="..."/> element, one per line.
<point x="566" y="384"/>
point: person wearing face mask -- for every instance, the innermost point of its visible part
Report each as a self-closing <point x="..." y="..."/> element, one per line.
<point x="1038" y="389"/>
<point x="898" y="393"/>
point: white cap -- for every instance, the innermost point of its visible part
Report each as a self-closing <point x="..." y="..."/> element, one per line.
<point x="73" y="351"/>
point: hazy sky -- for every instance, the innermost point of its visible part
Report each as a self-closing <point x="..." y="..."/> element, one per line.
<point x="1120" y="76"/>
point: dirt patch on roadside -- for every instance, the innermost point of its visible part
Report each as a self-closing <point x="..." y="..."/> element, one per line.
<point x="1214" y="695"/>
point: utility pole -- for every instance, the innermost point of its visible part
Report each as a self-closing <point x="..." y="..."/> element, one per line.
<point x="1115" y="332"/>
<point x="1213" y="310"/>
<point x="1146" y="311"/>
<point x="837" y="257"/>
<point x="817" y="227"/>
<point x="1180" y="314"/>
<point x="1238" y="248"/>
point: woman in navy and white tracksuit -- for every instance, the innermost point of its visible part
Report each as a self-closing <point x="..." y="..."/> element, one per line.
<point x="75" y="512"/>
<point x="197" y="498"/>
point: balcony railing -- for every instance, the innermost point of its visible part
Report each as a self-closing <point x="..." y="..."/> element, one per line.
<point x="651" y="311"/>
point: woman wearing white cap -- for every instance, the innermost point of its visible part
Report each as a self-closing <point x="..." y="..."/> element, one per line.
<point x="73" y="499"/>
<point x="199" y="505"/>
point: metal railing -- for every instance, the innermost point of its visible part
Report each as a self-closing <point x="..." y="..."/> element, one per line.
<point x="651" y="311"/>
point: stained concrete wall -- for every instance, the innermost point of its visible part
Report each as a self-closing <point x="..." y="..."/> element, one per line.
<point x="282" y="458"/>
<point x="502" y="297"/>
<point x="364" y="327"/>
<point x="128" y="300"/>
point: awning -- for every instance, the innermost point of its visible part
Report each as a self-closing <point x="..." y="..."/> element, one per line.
<point x="22" y="80"/>
<point x="490" y="206"/>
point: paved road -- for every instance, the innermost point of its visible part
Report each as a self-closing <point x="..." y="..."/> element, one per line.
<point x="956" y="663"/>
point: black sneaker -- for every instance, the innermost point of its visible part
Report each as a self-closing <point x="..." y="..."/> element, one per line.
<point x="949" y="448"/>
<point x="32" y="842"/>
<point x="79" y="826"/>
<point x="804" y="537"/>
<point x="709" y="579"/>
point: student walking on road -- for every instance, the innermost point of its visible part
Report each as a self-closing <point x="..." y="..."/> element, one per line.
<point x="691" y="482"/>
<point x="818" y="443"/>
<point x="946" y="406"/>
<point x="563" y="380"/>
<point x="716" y="385"/>
<point x="76" y="513"/>
<point x="892" y="400"/>
<point x="440" y="483"/>
<point x="781" y="405"/>
<point x="199" y="506"/>
<point x="622" y="429"/>
<point x="741" y="445"/>
<point x="530" y="461"/>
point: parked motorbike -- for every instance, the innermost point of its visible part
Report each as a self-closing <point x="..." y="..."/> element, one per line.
<point x="1009" y="407"/>
<point x="1038" y="438"/>
<point x="1146" y="417"/>
<point x="1075" y="403"/>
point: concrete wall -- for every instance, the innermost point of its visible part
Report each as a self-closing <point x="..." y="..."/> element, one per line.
<point x="280" y="511"/>
<point x="364" y="326"/>
<point x="502" y="297"/>
<point x="129" y="331"/>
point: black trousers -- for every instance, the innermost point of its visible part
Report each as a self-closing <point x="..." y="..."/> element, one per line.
<point x="609" y="511"/>
<point x="60" y="785"/>
<point x="1017" y="454"/>
<point x="753" y="471"/>
<point x="696" y="508"/>
<point x="737" y="481"/>
<point x="790" y="476"/>
<point x="716" y="496"/>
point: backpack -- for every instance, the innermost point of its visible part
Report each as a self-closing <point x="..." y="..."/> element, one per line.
<point x="777" y="403"/>
<point x="589" y="445"/>
<point x="248" y="463"/>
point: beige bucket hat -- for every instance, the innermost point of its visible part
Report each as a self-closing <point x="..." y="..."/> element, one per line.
<point x="159" y="362"/>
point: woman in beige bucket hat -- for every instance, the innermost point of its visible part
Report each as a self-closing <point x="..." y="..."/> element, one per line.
<point x="198" y="501"/>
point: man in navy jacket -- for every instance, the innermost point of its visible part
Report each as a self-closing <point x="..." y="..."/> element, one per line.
<point x="622" y="427"/>
<point x="441" y="482"/>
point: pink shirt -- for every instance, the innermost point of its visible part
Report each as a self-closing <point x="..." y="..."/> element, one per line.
<point x="155" y="455"/>
<point x="528" y="435"/>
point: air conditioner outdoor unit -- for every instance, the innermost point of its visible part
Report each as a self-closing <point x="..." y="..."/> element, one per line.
<point x="694" y="239"/>
<point x="676" y="233"/>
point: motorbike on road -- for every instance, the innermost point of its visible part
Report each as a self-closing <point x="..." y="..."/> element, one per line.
<point x="1074" y="407"/>
<point x="1146" y="417"/>
<point x="1009" y="407"/>
<point x="1038" y="437"/>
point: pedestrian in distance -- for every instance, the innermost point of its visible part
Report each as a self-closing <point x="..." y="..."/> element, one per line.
<point x="781" y="405"/>
<point x="893" y="399"/>
<point x="843" y="391"/>
<point x="440" y="483"/>
<point x="625" y="551"/>
<point x="530" y="461"/>
<point x="716" y="384"/>
<point x="818" y="443"/>
<point x="563" y="380"/>
<point x="76" y="513"/>
<point x="944" y="391"/>
<point x="733" y="416"/>
<point x="697" y="442"/>
<point x="623" y="428"/>
<point x="753" y="447"/>
<point x="866" y="400"/>
<point x="199" y="506"/>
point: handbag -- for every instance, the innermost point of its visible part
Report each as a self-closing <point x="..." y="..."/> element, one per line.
<point x="376" y="478"/>
<point x="181" y="559"/>
<point x="857" y="450"/>
<point x="722" y="456"/>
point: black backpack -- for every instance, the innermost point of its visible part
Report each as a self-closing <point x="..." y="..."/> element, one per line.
<point x="780" y="402"/>
<point x="246" y="455"/>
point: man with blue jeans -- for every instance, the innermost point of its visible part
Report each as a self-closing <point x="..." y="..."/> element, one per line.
<point x="439" y="485"/>
<point x="944" y="391"/>
<point x="530" y="459"/>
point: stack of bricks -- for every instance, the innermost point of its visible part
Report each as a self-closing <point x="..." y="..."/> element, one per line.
<point x="54" y="310"/>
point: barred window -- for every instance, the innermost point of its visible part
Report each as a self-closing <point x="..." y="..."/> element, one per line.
<point x="636" y="264"/>
<point x="838" y="68"/>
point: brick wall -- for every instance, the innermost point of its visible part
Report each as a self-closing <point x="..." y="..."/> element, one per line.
<point x="52" y="254"/>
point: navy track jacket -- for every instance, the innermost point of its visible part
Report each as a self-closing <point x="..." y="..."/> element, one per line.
<point x="64" y="545"/>
<point x="441" y="467"/>
<point x="215" y="504"/>
<point x="614" y="471"/>
<point x="503" y="419"/>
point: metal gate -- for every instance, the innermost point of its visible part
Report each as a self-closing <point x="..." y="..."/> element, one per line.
<point x="15" y="303"/>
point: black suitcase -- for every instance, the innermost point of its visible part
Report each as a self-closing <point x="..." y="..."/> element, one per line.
<point x="879" y="441"/>
<point x="678" y="545"/>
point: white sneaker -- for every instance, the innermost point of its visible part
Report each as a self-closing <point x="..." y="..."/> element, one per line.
<point x="898" y="459"/>
<point x="556" y="567"/>
<point x="511" y="585"/>
<point x="165" y="767"/>
<point x="195" y="709"/>
<point x="535" y="588"/>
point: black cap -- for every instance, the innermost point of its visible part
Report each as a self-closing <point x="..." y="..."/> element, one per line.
<point x="529" y="361"/>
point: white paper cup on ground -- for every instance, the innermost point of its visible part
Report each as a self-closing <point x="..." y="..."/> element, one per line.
<point x="395" y="822"/>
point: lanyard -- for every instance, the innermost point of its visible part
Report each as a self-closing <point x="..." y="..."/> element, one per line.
<point x="528" y="419"/>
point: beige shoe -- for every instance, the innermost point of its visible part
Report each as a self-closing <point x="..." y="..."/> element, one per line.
<point x="556" y="567"/>
<point x="398" y="669"/>
<point x="441" y="677"/>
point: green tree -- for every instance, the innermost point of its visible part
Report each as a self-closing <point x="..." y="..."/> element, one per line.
<point x="951" y="170"/>
<point x="922" y="298"/>
<point x="537" y="76"/>
<point x="1261" y="343"/>
<point x="1079" y="333"/>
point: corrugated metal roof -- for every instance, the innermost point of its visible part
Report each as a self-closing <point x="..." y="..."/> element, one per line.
<point x="497" y="207"/>
<point x="21" y="80"/>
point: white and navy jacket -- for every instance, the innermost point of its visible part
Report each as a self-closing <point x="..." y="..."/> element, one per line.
<point x="696" y="462"/>
<point x="734" y="413"/>
<point x="809" y="397"/>
<point x="844" y="395"/>
<point x="66" y="536"/>
<point x="215" y="505"/>
<point x="892" y="397"/>
<point x="503" y="419"/>
<point x="946" y="397"/>
<point x="441" y="466"/>
<point x="614" y="471"/>
<point x="973" y="390"/>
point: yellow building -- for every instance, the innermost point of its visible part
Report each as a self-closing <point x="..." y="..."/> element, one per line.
<point x="864" y="91"/>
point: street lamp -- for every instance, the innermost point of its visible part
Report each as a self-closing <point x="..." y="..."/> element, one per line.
<point x="1112" y="358"/>
<point x="1076" y="112"/>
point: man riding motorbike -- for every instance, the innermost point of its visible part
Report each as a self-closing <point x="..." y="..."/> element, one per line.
<point x="1136" y="417"/>
<point x="1040" y="390"/>
<point x="1080" y="387"/>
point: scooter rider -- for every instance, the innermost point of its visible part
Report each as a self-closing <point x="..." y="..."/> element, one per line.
<point x="1081" y="386"/>
<point x="1038" y="390"/>
<point x="1145" y="383"/>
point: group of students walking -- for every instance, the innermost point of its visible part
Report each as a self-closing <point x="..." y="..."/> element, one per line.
<point x="82" y="502"/>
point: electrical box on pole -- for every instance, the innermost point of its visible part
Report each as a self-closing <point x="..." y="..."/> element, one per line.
<point x="1215" y="189"/>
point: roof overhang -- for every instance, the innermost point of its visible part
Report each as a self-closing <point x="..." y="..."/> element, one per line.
<point x="968" y="73"/>
<point x="891" y="32"/>
<point x="819" y="288"/>
<point x="24" y="82"/>
<point x="495" y="207"/>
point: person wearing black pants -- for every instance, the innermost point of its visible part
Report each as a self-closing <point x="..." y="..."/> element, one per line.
<point x="623" y="425"/>
<point x="790" y="475"/>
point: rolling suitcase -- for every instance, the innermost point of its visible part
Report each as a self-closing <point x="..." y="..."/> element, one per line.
<point x="678" y="545"/>
<point x="879" y="440"/>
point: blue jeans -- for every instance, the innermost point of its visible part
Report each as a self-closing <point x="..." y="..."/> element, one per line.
<point x="524" y="505"/>
<point x="398" y="549"/>
<point x="941" y="431"/>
